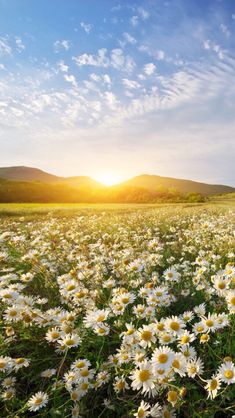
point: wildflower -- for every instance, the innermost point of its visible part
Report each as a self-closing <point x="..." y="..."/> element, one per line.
<point x="143" y="378"/>
<point x="48" y="373"/>
<point x="226" y="372"/>
<point x="213" y="385"/>
<point x="37" y="401"/>
<point x="143" y="410"/>
<point x="70" y="340"/>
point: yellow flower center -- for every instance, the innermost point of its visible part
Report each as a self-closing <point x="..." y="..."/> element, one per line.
<point x="38" y="401"/>
<point x="209" y="323"/>
<point x="160" y="371"/>
<point x="70" y="287"/>
<point x="120" y="385"/>
<point x="69" y="341"/>
<point x="144" y="375"/>
<point x="13" y="313"/>
<point x="146" y="335"/>
<point x="176" y="364"/>
<point x="80" y="364"/>
<point x="85" y="373"/>
<point x="172" y="396"/>
<point x="228" y="374"/>
<point x="20" y="360"/>
<point x="74" y="396"/>
<point x="167" y="338"/>
<point x="140" y="413"/>
<point x="221" y="285"/>
<point x="185" y="339"/>
<point x="130" y="332"/>
<point x="125" y="300"/>
<point x="162" y="358"/>
<point x="175" y="326"/>
<point x="213" y="384"/>
<point x="232" y="301"/>
<point x="2" y="364"/>
<point x="200" y="328"/>
<point x="84" y="386"/>
<point x="55" y="334"/>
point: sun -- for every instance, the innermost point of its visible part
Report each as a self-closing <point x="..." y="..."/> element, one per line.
<point x="109" y="179"/>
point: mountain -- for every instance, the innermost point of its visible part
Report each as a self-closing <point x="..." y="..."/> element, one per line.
<point x="21" y="173"/>
<point x="151" y="184"/>
<point x="154" y="183"/>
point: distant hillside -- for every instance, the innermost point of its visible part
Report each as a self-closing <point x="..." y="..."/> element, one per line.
<point x="27" y="174"/>
<point x="19" y="173"/>
<point x="26" y="184"/>
<point x="152" y="182"/>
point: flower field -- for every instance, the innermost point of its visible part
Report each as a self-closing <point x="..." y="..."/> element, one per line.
<point x="118" y="313"/>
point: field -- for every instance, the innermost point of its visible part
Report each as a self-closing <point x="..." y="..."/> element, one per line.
<point x="117" y="310"/>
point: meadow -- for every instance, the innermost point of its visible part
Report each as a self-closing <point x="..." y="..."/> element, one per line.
<point x="117" y="310"/>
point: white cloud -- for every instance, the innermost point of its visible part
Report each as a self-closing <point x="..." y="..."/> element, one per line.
<point x="100" y="60"/>
<point x="149" y="68"/>
<point x="144" y="14"/>
<point x="59" y="45"/>
<point x="2" y="67"/>
<point x="107" y="79"/>
<point x="5" y="49"/>
<point x="233" y="16"/>
<point x="224" y="29"/>
<point x="19" y="44"/>
<point x="129" y="39"/>
<point x="111" y="100"/>
<point x="116" y="60"/>
<point x="86" y="26"/>
<point x="160" y="55"/>
<point x="63" y="67"/>
<point x="130" y="84"/>
<point x="134" y="20"/>
<point x="209" y="45"/>
<point x="71" y="79"/>
<point x="95" y="77"/>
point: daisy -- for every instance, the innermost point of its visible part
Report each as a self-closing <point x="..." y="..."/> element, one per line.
<point x="156" y="411"/>
<point x="213" y="385"/>
<point x="143" y="410"/>
<point x="179" y="364"/>
<point x="6" y="363"/>
<point x="146" y="336"/>
<point x="8" y="394"/>
<point x="195" y="367"/>
<point x="48" y="373"/>
<point x="37" y="401"/>
<point x="162" y="358"/>
<point x="53" y="334"/>
<point x="143" y="377"/>
<point x="185" y="338"/>
<point x="226" y="372"/>
<point x="230" y="298"/>
<point x="20" y="362"/>
<point x="120" y="384"/>
<point x="70" y="340"/>
<point x="172" y="397"/>
<point x="174" y="325"/>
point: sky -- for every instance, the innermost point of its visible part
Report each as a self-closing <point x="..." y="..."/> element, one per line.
<point x="113" y="89"/>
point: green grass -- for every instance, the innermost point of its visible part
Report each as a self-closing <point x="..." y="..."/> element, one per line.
<point x="67" y="209"/>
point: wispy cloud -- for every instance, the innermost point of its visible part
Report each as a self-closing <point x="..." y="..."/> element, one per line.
<point x="86" y="26"/>
<point x="60" y="45"/>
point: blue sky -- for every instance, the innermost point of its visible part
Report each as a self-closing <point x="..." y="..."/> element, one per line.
<point x="118" y="88"/>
